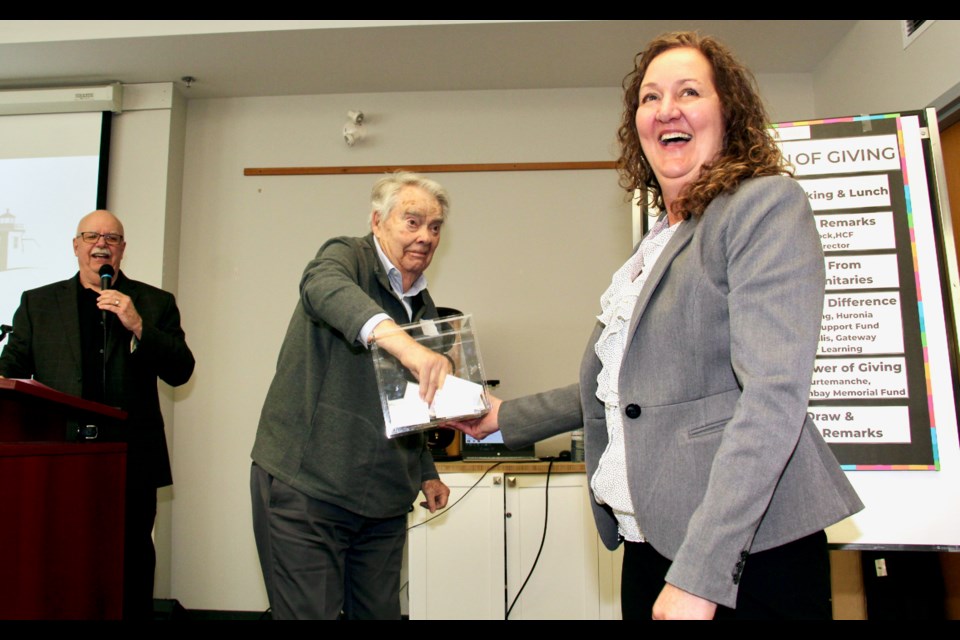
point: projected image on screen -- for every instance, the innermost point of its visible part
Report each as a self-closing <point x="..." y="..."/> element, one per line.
<point x="49" y="174"/>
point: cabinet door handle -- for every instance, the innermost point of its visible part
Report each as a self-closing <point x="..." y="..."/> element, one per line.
<point x="511" y="481"/>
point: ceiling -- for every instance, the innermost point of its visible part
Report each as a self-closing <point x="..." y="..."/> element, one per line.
<point x="257" y="58"/>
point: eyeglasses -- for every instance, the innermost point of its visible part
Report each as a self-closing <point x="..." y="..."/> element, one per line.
<point x="91" y="237"/>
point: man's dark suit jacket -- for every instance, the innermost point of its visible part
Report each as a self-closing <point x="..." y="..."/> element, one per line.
<point x="45" y="344"/>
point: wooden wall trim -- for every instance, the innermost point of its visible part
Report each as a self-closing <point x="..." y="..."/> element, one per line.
<point x="429" y="168"/>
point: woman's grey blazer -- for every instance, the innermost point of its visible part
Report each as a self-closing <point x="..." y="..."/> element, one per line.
<point x="722" y="459"/>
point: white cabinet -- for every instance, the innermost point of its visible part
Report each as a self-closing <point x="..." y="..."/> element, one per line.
<point x="471" y="562"/>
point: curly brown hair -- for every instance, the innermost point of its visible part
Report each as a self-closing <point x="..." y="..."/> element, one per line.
<point x="748" y="148"/>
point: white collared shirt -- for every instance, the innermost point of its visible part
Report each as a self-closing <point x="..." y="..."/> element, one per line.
<point x="396" y="284"/>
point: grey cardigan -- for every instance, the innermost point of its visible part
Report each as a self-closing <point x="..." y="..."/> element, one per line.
<point x="722" y="458"/>
<point x="321" y="429"/>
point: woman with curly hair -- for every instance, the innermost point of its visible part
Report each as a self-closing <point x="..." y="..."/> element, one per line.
<point x="694" y="386"/>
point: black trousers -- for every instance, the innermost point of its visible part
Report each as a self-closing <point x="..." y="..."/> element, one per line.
<point x="789" y="582"/>
<point x="321" y="561"/>
<point x="139" y="555"/>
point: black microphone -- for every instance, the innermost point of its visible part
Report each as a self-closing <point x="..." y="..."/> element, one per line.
<point x="106" y="276"/>
<point x="106" y="279"/>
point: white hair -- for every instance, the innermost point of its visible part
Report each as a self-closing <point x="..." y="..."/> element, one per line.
<point x="383" y="197"/>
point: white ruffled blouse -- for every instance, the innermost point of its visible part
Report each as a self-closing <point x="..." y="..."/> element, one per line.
<point x="609" y="483"/>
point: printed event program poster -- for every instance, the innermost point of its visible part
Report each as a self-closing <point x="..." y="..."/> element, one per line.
<point x="871" y="395"/>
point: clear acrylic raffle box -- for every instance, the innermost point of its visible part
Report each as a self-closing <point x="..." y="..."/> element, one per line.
<point x="464" y="392"/>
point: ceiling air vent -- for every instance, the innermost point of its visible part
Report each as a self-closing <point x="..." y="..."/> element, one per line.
<point x="912" y="30"/>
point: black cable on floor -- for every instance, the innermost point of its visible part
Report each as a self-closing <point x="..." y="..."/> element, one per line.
<point x="543" y="539"/>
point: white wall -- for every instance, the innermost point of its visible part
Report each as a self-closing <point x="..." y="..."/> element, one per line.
<point x="870" y="72"/>
<point x="787" y="96"/>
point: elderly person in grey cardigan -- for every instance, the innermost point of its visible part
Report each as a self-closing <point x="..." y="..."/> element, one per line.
<point x="330" y="491"/>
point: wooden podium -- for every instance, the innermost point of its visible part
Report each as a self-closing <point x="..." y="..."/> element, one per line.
<point x="61" y="506"/>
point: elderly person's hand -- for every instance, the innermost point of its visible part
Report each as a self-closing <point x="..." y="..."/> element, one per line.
<point x="428" y="367"/>
<point x="436" y="494"/>
<point x="122" y="306"/>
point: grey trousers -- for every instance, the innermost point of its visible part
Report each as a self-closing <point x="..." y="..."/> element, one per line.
<point x="323" y="562"/>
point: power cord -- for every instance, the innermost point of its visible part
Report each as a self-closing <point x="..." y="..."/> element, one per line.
<point x="543" y="539"/>
<point x="458" y="500"/>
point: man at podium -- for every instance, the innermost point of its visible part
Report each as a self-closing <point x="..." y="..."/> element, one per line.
<point x="104" y="337"/>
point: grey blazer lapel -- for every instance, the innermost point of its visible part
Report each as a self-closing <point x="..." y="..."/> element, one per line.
<point x="681" y="237"/>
